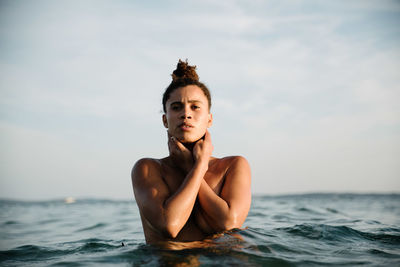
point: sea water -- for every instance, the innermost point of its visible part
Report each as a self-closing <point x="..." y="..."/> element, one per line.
<point x="287" y="230"/>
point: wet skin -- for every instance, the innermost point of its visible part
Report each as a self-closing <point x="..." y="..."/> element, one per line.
<point x="190" y="194"/>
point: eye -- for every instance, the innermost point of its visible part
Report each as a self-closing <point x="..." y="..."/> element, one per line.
<point x="195" y="107"/>
<point x="176" y="107"/>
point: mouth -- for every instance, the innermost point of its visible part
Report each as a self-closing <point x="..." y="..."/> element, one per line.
<point x="186" y="126"/>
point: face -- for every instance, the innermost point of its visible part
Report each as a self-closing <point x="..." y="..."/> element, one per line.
<point x="187" y="117"/>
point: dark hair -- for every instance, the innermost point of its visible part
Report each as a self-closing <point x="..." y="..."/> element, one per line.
<point x="185" y="75"/>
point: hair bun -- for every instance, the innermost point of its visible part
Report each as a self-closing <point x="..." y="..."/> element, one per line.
<point x="184" y="72"/>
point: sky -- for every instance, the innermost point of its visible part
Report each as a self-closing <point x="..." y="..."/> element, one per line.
<point x="306" y="90"/>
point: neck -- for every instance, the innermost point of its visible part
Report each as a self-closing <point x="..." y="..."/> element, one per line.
<point x="183" y="161"/>
<point x="189" y="146"/>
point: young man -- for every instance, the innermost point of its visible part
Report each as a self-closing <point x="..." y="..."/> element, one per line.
<point x="190" y="194"/>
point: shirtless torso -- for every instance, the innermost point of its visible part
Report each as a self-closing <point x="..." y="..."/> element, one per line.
<point x="197" y="227"/>
<point x="190" y="194"/>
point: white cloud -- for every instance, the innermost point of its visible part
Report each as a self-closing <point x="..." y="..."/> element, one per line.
<point x="294" y="87"/>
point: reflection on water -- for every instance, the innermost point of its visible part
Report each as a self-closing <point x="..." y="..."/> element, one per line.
<point x="229" y="239"/>
<point x="173" y="253"/>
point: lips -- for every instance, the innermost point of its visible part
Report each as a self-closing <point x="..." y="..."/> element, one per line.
<point x="185" y="126"/>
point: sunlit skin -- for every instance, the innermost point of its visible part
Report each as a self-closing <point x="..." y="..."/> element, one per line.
<point x="190" y="195"/>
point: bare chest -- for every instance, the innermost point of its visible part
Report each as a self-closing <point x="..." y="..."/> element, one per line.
<point x="214" y="177"/>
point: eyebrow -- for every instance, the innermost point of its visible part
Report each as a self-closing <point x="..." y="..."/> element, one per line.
<point x="190" y="101"/>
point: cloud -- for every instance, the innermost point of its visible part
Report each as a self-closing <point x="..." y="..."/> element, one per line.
<point x="294" y="86"/>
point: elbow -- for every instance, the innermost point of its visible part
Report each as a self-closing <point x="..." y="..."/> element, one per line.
<point x="164" y="229"/>
<point x="231" y="222"/>
<point x="171" y="230"/>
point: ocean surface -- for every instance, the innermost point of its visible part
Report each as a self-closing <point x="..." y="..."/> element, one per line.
<point x="287" y="230"/>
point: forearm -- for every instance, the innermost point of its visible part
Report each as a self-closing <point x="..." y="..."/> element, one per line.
<point x="178" y="207"/>
<point x="216" y="210"/>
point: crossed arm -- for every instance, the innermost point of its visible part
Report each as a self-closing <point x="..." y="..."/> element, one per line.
<point x="229" y="209"/>
<point x="168" y="214"/>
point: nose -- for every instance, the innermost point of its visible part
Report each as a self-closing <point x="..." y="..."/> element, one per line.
<point x="186" y="114"/>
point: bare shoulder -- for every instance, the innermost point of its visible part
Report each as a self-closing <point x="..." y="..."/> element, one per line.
<point x="234" y="162"/>
<point x="237" y="159"/>
<point x="148" y="184"/>
<point x="237" y="186"/>
<point x="145" y="167"/>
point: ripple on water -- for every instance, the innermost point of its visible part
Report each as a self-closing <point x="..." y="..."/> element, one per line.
<point x="33" y="253"/>
<point x="30" y="253"/>
<point x="96" y="226"/>
<point x="332" y="210"/>
<point x="324" y="232"/>
<point x="10" y="222"/>
<point x="283" y="231"/>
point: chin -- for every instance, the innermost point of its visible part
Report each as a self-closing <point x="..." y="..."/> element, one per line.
<point x="189" y="139"/>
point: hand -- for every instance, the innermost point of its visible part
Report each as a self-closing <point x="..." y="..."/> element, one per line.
<point x="181" y="156"/>
<point x="203" y="148"/>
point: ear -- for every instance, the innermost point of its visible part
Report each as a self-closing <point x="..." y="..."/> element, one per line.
<point x="165" y="122"/>
<point x="210" y="120"/>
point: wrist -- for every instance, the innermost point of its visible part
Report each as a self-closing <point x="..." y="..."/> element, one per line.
<point x="201" y="162"/>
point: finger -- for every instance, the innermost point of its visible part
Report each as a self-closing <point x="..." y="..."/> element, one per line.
<point x="173" y="142"/>
<point x="172" y="145"/>
<point x="199" y="143"/>
<point x="207" y="137"/>
<point x="169" y="138"/>
<point x="179" y="145"/>
<point x="176" y="144"/>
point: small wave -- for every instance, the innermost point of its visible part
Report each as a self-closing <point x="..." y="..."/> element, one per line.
<point x="258" y="214"/>
<point x="281" y="217"/>
<point x="390" y="230"/>
<point x="304" y="230"/>
<point x="91" y="247"/>
<point x="10" y="222"/>
<point x="86" y="240"/>
<point x="344" y="221"/>
<point x="322" y="231"/>
<point x="47" y="221"/>
<point x="269" y="243"/>
<point x="383" y="238"/>
<point x="307" y="210"/>
<point x="91" y="244"/>
<point x="41" y="253"/>
<point x="339" y="233"/>
<point x="331" y="210"/>
<point x="96" y="226"/>
<point x="382" y="253"/>
<point x="336" y="262"/>
<point x="373" y="222"/>
<point x="30" y="252"/>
